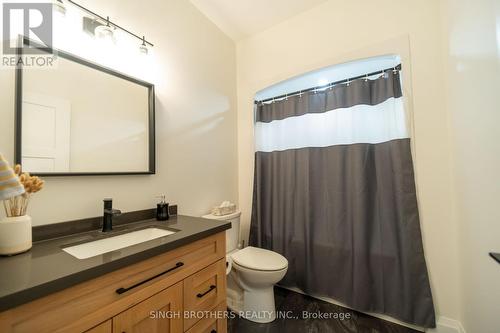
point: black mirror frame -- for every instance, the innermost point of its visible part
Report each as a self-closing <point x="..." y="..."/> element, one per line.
<point x="71" y="57"/>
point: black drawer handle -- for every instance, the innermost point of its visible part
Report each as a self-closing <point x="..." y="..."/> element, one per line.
<point x="200" y="295"/>
<point x="123" y="290"/>
<point x="213" y="331"/>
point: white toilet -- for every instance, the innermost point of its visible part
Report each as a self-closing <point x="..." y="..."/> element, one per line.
<point x="252" y="274"/>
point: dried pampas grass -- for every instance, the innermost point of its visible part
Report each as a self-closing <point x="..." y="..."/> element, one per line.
<point x="17" y="206"/>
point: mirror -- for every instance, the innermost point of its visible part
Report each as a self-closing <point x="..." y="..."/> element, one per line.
<point x="80" y="118"/>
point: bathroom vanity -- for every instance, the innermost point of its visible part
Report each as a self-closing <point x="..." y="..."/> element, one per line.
<point x="175" y="283"/>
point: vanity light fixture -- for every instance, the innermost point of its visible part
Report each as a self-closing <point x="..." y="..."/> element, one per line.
<point x="59" y="7"/>
<point x="143" y="47"/>
<point x="105" y="31"/>
<point x="105" y="27"/>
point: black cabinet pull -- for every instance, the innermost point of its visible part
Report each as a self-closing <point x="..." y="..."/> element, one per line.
<point x="200" y="295"/>
<point x="213" y="331"/>
<point x="123" y="290"/>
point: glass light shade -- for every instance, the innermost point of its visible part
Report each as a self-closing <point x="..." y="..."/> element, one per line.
<point x="59" y="7"/>
<point x="104" y="32"/>
<point x="144" y="49"/>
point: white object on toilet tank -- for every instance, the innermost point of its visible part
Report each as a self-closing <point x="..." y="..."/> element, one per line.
<point x="233" y="234"/>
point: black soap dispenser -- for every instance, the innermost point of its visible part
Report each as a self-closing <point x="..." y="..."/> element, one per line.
<point x="162" y="209"/>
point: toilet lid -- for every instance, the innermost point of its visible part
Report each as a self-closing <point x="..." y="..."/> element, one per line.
<point x="259" y="259"/>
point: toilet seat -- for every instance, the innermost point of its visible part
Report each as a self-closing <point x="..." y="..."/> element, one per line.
<point x="259" y="259"/>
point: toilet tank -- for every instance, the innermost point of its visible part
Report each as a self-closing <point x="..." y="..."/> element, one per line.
<point x="233" y="234"/>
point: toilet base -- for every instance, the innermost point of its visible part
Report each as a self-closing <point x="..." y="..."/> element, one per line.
<point x="254" y="305"/>
<point x="234" y="296"/>
<point x="258" y="305"/>
<point x="251" y="291"/>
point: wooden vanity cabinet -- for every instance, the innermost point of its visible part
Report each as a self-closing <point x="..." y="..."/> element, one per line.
<point x="166" y="294"/>
<point x="215" y="322"/>
<point x="151" y="315"/>
<point x="105" y="327"/>
<point x="203" y="291"/>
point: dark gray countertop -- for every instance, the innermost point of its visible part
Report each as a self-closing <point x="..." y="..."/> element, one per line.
<point x="46" y="268"/>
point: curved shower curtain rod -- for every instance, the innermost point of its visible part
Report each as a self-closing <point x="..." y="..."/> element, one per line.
<point x="328" y="85"/>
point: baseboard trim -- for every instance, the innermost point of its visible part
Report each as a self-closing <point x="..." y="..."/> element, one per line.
<point x="447" y="325"/>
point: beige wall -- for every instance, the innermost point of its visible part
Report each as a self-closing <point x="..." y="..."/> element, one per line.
<point x="194" y="67"/>
<point x="472" y="55"/>
<point x="342" y="30"/>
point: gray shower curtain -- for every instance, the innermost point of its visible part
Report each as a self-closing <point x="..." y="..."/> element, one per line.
<point x="334" y="192"/>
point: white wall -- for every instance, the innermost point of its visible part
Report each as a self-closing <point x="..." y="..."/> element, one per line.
<point x="338" y="31"/>
<point x="472" y="53"/>
<point x="193" y="68"/>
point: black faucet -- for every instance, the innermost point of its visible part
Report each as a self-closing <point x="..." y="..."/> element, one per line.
<point x="109" y="212"/>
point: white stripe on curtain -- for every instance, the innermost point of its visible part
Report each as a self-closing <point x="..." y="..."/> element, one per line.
<point x="358" y="124"/>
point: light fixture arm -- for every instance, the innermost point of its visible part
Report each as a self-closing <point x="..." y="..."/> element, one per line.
<point x="110" y="23"/>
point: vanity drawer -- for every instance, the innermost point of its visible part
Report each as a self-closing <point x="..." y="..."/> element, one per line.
<point x="215" y="322"/>
<point x="81" y="307"/>
<point x="204" y="290"/>
<point x="166" y="307"/>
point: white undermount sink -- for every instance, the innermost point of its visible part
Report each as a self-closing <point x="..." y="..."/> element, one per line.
<point x="91" y="249"/>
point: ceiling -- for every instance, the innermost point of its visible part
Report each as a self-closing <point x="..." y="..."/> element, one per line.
<point x="242" y="18"/>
